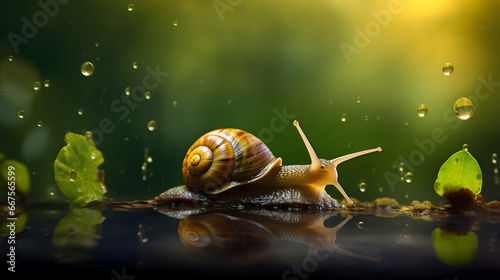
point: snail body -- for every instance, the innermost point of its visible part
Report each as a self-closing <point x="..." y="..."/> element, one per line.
<point x="232" y="166"/>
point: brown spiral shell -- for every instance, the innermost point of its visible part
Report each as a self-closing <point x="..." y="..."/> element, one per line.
<point x="225" y="158"/>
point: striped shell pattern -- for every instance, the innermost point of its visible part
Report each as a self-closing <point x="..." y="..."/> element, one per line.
<point x="226" y="158"/>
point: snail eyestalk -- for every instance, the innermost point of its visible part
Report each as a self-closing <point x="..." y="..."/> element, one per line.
<point x="341" y="159"/>
<point x="315" y="163"/>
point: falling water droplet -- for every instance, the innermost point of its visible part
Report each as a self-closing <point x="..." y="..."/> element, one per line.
<point x="46" y="83"/>
<point x="422" y="110"/>
<point x="134" y="65"/>
<point x="344" y="117"/>
<point x="464" y="108"/>
<point x="408" y="177"/>
<point x="87" y="68"/>
<point x="176" y="23"/>
<point x="147" y="95"/>
<point x="37" y="85"/>
<point x="96" y="44"/>
<point x="448" y="69"/>
<point x="174" y="104"/>
<point x="361" y="224"/>
<point x="73" y="175"/>
<point x="11" y="57"/>
<point x="130" y="7"/>
<point x="21" y="114"/>
<point x="80" y="112"/>
<point x="151" y="125"/>
<point x="127" y="90"/>
<point x="39" y="123"/>
<point x="362" y="186"/>
<point x="149" y="159"/>
<point x="52" y="192"/>
<point x="465" y="147"/>
<point x="494" y="158"/>
<point x="358" y="100"/>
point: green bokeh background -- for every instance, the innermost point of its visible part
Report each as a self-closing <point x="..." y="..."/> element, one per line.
<point x="234" y="64"/>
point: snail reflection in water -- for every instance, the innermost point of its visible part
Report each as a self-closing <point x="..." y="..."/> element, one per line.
<point x="232" y="166"/>
<point x="251" y="233"/>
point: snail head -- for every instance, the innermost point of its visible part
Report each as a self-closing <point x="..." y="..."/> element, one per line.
<point x="324" y="172"/>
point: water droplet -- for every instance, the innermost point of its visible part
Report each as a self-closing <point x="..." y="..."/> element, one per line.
<point x="103" y="188"/>
<point x="96" y="44"/>
<point x="134" y="65"/>
<point x="36" y="85"/>
<point x="358" y="100"/>
<point x="149" y="159"/>
<point x="495" y="170"/>
<point x="151" y="125"/>
<point x="176" y="23"/>
<point x="362" y="186"/>
<point x="366" y="118"/>
<point x="147" y="95"/>
<point x="422" y="110"/>
<point x="11" y="57"/>
<point x="465" y="147"/>
<point x="39" y="123"/>
<point x="464" y="108"/>
<point x="87" y="68"/>
<point x="73" y="175"/>
<point x="448" y="69"/>
<point x="127" y="90"/>
<point x="408" y="177"/>
<point x="381" y="189"/>
<point x="130" y="7"/>
<point x="174" y="104"/>
<point x="21" y="114"/>
<point x="344" y="117"/>
<point x="80" y="112"/>
<point x="46" y="83"/>
<point x="361" y="224"/>
<point x="52" y="192"/>
<point x="494" y="158"/>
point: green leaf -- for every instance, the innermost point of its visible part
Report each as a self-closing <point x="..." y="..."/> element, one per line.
<point x="76" y="170"/>
<point x="461" y="170"/>
<point x="452" y="248"/>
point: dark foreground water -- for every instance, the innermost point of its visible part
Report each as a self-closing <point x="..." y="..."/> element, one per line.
<point x="147" y="243"/>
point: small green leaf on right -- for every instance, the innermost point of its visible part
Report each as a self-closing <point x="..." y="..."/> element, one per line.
<point x="461" y="170"/>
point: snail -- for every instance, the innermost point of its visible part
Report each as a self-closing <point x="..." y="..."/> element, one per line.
<point x="233" y="167"/>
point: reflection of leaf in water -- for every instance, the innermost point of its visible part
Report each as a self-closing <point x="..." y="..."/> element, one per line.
<point x="76" y="234"/>
<point x="452" y="248"/>
<point x="21" y="220"/>
<point x="76" y="170"/>
<point x="461" y="170"/>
